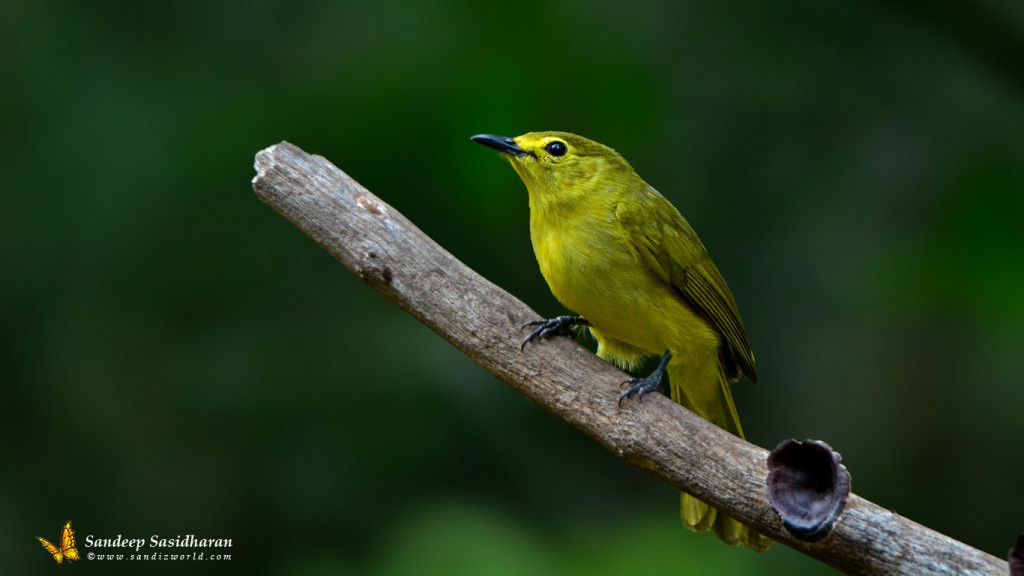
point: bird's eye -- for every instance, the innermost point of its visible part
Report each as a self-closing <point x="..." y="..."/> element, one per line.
<point x="556" y="148"/>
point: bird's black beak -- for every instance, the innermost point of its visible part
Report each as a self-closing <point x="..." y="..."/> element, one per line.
<point x="501" y="144"/>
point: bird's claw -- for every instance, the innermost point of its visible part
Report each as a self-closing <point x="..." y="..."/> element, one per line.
<point x="554" y="326"/>
<point x="651" y="383"/>
<point x="642" y="386"/>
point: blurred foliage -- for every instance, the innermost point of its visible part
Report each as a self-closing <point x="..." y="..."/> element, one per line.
<point x="176" y="358"/>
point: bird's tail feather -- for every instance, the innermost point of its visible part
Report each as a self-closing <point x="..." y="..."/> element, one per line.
<point x="715" y="405"/>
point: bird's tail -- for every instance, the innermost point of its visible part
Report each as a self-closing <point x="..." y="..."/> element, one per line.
<point x="713" y="403"/>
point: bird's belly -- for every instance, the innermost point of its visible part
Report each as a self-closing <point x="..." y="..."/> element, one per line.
<point x="620" y="297"/>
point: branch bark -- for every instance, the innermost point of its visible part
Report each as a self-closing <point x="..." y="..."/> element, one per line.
<point x="388" y="252"/>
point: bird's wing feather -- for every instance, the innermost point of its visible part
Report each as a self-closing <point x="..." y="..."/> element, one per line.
<point x="668" y="246"/>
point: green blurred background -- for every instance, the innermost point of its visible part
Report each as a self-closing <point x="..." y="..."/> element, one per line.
<point x="176" y="358"/>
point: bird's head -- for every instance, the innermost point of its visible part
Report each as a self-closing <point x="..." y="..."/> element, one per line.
<point x="559" y="164"/>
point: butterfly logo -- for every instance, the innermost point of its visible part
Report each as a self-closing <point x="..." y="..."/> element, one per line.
<point x="67" y="545"/>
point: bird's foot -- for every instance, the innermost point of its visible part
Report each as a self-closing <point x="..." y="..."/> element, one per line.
<point x="558" y="325"/>
<point x="651" y="383"/>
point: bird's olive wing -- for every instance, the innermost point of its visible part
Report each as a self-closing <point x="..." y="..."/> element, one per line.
<point x="668" y="246"/>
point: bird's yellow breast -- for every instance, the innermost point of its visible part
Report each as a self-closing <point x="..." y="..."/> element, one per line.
<point x="593" y="270"/>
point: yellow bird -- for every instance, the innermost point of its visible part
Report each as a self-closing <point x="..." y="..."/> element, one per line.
<point x="615" y="251"/>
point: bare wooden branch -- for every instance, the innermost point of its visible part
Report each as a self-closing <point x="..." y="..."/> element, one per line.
<point x="389" y="253"/>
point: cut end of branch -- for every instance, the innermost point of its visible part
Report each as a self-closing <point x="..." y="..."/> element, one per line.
<point x="264" y="162"/>
<point x="807" y="487"/>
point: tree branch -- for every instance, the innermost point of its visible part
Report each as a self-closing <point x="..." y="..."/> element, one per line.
<point x="389" y="253"/>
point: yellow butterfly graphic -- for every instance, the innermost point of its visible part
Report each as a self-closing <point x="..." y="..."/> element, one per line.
<point x="67" y="545"/>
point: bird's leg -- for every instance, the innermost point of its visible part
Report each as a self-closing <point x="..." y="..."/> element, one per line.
<point x="557" y="325"/>
<point x="644" y="385"/>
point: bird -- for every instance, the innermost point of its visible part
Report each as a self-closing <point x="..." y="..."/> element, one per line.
<point x="616" y="252"/>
